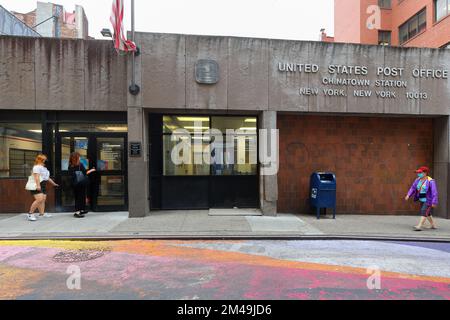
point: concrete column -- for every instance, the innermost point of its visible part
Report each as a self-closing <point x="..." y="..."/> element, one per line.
<point x="441" y="165"/>
<point x="138" y="182"/>
<point x="268" y="183"/>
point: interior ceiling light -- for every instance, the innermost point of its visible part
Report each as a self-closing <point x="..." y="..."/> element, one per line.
<point x="116" y="129"/>
<point x="190" y="119"/>
<point x="196" y="128"/>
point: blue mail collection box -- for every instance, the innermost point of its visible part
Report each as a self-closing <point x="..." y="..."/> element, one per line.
<point x="323" y="192"/>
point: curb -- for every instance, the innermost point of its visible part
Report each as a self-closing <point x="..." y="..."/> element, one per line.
<point x="107" y="237"/>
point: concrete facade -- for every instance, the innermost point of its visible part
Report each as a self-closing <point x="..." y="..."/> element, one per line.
<point x="55" y="74"/>
<point x="250" y="81"/>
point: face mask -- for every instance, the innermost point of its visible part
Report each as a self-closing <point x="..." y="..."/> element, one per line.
<point x="421" y="175"/>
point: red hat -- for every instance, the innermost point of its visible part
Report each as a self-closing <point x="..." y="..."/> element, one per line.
<point x="423" y="170"/>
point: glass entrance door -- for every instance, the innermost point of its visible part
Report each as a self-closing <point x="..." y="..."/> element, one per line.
<point x="111" y="180"/>
<point x="106" y="152"/>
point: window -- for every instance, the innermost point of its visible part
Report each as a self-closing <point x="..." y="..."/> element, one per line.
<point x="413" y="26"/>
<point x="187" y="132"/>
<point x="384" y="38"/>
<point x="241" y="158"/>
<point x="441" y="9"/>
<point x="447" y="46"/>
<point x="229" y="148"/>
<point x="384" y="4"/>
<point x="21" y="162"/>
<point x="19" y="145"/>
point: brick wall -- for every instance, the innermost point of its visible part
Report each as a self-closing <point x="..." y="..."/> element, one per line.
<point x="15" y="199"/>
<point x="28" y="18"/>
<point x="373" y="158"/>
<point x="68" y="31"/>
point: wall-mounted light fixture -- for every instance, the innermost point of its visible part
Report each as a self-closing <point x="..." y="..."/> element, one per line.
<point x="106" y="33"/>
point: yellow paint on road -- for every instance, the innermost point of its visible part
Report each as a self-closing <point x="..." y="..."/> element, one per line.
<point x="15" y="282"/>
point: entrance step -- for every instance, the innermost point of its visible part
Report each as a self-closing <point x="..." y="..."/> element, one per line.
<point x="235" y="212"/>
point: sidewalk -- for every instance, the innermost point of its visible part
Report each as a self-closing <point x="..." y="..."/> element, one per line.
<point x="199" y="224"/>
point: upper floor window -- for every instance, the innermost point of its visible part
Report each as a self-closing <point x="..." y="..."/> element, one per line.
<point x="413" y="26"/>
<point x="441" y="9"/>
<point x="384" y="4"/>
<point x="384" y="38"/>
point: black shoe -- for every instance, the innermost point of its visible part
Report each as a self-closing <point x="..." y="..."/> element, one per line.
<point x="84" y="212"/>
<point x="78" y="215"/>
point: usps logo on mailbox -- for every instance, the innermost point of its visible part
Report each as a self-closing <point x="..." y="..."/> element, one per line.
<point x="314" y="193"/>
<point x="207" y="71"/>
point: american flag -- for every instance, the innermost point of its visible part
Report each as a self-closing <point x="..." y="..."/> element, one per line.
<point x="120" y="41"/>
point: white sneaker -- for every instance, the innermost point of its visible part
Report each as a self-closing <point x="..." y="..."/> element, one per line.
<point x="46" y="215"/>
<point x="31" y="217"/>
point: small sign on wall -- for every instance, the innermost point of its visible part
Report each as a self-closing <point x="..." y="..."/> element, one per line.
<point x="206" y="71"/>
<point x="135" y="149"/>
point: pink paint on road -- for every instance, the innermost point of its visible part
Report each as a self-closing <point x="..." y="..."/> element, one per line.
<point x="151" y="271"/>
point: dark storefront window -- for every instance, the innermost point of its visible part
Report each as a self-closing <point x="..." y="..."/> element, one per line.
<point x="413" y="26"/>
<point x="232" y="150"/>
<point x="19" y="145"/>
<point x="241" y="159"/>
<point x="182" y="129"/>
<point x="200" y="162"/>
<point x="441" y="9"/>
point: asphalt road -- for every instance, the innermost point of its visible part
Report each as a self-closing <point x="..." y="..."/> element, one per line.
<point x="222" y="270"/>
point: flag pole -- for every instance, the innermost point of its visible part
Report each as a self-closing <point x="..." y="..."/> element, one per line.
<point x="134" y="88"/>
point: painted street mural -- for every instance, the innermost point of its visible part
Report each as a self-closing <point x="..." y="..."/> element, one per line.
<point x="222" y="270"/>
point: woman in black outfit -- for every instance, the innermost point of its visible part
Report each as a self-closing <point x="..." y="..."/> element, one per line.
<point x="79" y="190"/>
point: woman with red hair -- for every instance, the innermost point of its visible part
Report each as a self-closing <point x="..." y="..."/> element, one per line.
<point x="79" y="183"/>
<point x="424" y="191"/>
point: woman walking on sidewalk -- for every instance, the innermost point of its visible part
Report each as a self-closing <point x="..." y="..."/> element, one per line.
<point x="79" y="183"/>
<point x="425" y="191"/>
<point x="41" y="175"/>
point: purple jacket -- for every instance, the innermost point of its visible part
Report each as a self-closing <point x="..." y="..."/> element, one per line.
<point x="432" y="192"/>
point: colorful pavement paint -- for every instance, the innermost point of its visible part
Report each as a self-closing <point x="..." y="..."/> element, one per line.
<point x="223" y="270"/>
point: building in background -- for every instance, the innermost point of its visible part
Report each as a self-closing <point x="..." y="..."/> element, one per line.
<point x="407" y="23"/>
<point x="324" y="37"/>
<point x="13" y="26"/>
<point x="53" y="21"/>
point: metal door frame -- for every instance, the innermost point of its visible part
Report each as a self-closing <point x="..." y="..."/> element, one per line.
<point x="92" y="154"/>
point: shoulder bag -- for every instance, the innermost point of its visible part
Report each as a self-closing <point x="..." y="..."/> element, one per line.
<point x="79" y="178"/>
<point x="31" y="183"/>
